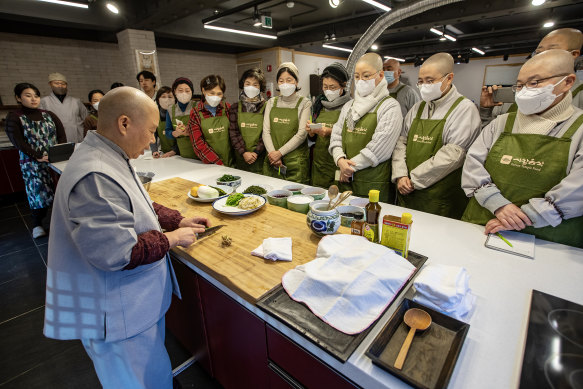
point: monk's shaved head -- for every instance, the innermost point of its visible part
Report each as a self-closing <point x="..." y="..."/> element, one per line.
<point x="129" y="118"/>
<point x="549" y="63"/>
<point x="442" y="62"/>
<point x="393" y="63"/>
<point x="373" y="60"/>
<point x="569" y="39"/>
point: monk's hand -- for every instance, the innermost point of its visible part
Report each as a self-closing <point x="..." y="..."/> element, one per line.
<point x="493" y="226"/>
<point x="197" y="223"/>
<point x="274" y="156"/>
<point x="404" y="185"/>
<point x="487" y="96"/>
<point x="512" y="217"/>
<point x="182" y="236"/>
<point x="346" y="169"/>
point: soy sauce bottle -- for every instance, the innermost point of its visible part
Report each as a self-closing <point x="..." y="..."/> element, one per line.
<point x="373" y="213"/>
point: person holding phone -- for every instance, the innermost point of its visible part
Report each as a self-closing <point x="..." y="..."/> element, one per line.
<point x="325" y="113"/>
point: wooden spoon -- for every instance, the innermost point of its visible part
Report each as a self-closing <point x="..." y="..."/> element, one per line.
<point x="342" y="197"/>
<point x="417" y="319"/>
<point x="332" y="193"/>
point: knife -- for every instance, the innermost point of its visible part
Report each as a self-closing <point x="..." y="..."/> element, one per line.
<point x="209" y="231"/>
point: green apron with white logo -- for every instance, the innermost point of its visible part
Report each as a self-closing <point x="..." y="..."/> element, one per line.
<point x="445" y="197"/>
<point x="323" y="166"/>
<point x="166" y="144"/>
<point x="526" y="166"/>
<point x="183" y="142"/>
<point x="396" y="93"/>
<point x="251" y="127"/>
<point x="377" y="177"/>
<point x="284" y="124"/>
<point x="216" y="133"/>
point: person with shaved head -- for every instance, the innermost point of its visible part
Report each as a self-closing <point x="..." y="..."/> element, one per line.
<point x="405" y="95"/>
<point x="109" y="277"/>
<point x="366" y="132"/>
<point x="569" y="39"/>
<point x="437" y="132"/>
<point x="525" y="170"/>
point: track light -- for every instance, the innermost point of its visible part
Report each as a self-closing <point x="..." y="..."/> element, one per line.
<point x="374" y="47"/>
<point x="69" y="3"/>
<point x="112" y="7"/>
<point x="334" y="3"/>
<point x="333" y="37"/>
<point x="538" y="2"/>
<point x="549" y="24"/>
<point x="256" y="17"/>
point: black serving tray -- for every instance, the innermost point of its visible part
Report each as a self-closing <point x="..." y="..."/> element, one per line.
<point x="433" y="353"/>
<point x="299" y="317"/>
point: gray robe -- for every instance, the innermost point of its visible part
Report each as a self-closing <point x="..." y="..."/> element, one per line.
<point x="71" y="112"/>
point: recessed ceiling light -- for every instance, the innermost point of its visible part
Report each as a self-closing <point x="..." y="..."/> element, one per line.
<point x="337" y="48"/>
<point x="290" y="4"/>
<point x="334" y="3"/>
<point x="69" y="3"/>
<point x="374" y="47"/>
<point x="478" y="51"/>
<point x="213" y="27"/>
<point x="548" y="24"/>
<point x="538" y="2"/>
<point x="112" y="8"/>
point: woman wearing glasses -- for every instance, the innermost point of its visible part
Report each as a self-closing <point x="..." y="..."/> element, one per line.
<point x="326" y="110"/>
<point x="366" y="132"/>
<point x="525" y="170"/>
<point x="437" y="133"/>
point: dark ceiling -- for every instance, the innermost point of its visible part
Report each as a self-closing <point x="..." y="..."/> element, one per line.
<point x="497" y="27"/>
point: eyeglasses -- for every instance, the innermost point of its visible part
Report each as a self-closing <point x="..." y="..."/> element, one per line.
<point x="365" y="76"/>
<point x="533" y="83"/>
<point x="429" y="82"/>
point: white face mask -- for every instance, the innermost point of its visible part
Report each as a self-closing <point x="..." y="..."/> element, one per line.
<point x="213" y="101"/>
<point x="535" y="100"/>
<point x="430" y="92"/>
<point x="365" y="88"/>
<point x="166" y="103"/>
<point x="332" y="95"/>
<point x="184" y="97"/>
<point x="251" y="91"/>
<point x="287" y="89"/>
<point x="95" y="105"/>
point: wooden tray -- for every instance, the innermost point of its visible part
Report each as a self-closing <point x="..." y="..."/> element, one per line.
<point x="433" y="353"/>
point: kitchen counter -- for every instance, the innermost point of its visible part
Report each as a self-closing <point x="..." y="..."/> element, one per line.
<point x="492" y="354"/>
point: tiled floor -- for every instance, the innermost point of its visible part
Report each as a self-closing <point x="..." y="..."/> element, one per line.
<point x="27" y="358"/>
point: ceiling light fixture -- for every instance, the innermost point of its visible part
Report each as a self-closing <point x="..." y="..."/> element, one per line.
<point x="242" y="32"/>
<point x="112" y="8"/>
<point x="538" y="2"/>
<point x="478" y="51"/>
<point x="451" y="38"/>
<point x="374" y="47"/>
<point x="334" y="3"/>
<point x="290" y="4"/>
<point x="256" y="17"/>
<point x="378" y="5"/>
<point x="326" y="37"/>
<point x="333" y="37"/>
<point x="548" y="24"/>
<point x="395" y="58"/>
<point x="337" y="48"/>
<point x="442" y="38"/>
<point x="435" y="31"/>
<point x="69" y="3"/>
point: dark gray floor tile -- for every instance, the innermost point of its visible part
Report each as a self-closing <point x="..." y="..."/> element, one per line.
<point x="24" y="293"/>
<point x="14" y="236"/>
<point x="8" y="212"/>
<point x="196" y="377"/>
<point x="23" y="345"/>
<point x="30" y="226"/>
<point x="23" y="207"/>
<point x="44" y="251"/>
<point x="20" y="264"/>
<point x="71" y="368"/>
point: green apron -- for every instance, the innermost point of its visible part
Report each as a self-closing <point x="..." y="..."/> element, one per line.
<point x="284" y="124"/>
<point x="216" y="133"/>
<point x="378" y="177"/>
<point x="512" y="108"/>
<point x="183" y="142"/>
<point x="396" y="93"/>
<point x="445" y="197"/>
<point x="166" y="144"/>
<point x="525" y="166"/>
<point x="251" y="127"/>
<point x="323" y="166"/>
<point x="577" y="90"/>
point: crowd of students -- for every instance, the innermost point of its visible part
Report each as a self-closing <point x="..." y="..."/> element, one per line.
<point x="516" y="168"/>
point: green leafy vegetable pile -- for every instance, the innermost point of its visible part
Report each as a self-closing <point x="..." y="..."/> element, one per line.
<point x="233" y="200"/>
<point x="227" y="178"/>
<point x="256" y="190"/>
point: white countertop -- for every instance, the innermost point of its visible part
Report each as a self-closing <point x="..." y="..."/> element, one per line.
<point x="492" y="353"/>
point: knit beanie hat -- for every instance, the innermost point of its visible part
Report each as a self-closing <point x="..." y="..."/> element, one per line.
<point x="57" y="77"/>
<point x="182" y="80"/>
<point x="292" y="67"/>
<point x="337" y="71"/>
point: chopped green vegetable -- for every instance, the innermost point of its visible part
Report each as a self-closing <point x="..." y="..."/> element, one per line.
<point x="233" y="200"/>
<point x="227" y="178"/>
<point x="221" y="192"/>
<point x="255" y="189"/>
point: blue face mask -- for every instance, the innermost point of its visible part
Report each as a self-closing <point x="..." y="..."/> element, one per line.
<point x="389" y="76"/>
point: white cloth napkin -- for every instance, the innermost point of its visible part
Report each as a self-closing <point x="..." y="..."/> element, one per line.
<point x="275" y="249"/>
<point x="350" y="283"/>
<point x="445" y="289"/>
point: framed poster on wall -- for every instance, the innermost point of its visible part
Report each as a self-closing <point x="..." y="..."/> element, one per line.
<point x="148" y="60"/>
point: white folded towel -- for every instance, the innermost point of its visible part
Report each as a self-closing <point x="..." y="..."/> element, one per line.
<point x="350" y="283"/>
<point x="445" y="289"/>
<point x="275" y="249"/>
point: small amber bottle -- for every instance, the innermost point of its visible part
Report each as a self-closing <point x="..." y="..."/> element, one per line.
<point x="373" y="213"/>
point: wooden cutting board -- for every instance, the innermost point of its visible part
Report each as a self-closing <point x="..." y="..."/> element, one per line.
<point x="248" y="276"/>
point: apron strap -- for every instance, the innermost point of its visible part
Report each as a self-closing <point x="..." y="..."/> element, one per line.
<point x="239" y="106"/>
<point x="173" y="112"/>
<point x="381" y="103"/>
<point x="577" y="90"/>
<point x="263" y="107"/>
<point x="509" y="122"/>
<point x="454" y="106"/>
<point x="299" y="101"/>
<point x="398" y="90"/>
<point x="420" y="110"/>
<point x="574" y="127"/>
